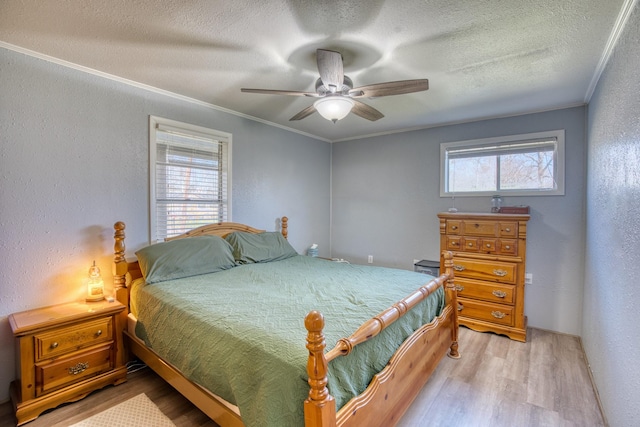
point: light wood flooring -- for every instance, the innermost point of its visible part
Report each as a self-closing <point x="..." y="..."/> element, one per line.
<point x="497" y="383"/>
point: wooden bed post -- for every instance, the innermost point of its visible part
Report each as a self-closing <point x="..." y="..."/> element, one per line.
<point x="120" y="264"/>
<point x="119" y="284"/>
<point x="284" y="225"/>
<point x="451" y="296"/>
<point x="319" y="407"/>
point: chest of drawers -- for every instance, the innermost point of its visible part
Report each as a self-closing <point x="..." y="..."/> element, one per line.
<point x="489" y="256"/>
<point x="64" y="352"/>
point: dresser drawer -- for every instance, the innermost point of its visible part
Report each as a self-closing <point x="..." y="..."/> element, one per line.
<point x="454" y="243"/>
<point x="493" y="292"/>
<point x="61" y="372"/>
<point x="485" y="245"/>
<point x="494" y="313"/>
<point x="507" y="229"/>
<point x="507" y="247"/>
<point x="497" y="271"/>
<point x="479" y="228"/>
<point x="453" y="226"/>
<point x="64" y="340"/>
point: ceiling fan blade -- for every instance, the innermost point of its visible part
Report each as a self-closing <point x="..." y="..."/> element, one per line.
<point x="365" y="111"/>
<point x="304" y="113"/>
<point x="389" y="88"/>
<point x="330" y="68"/>
<point x="279" y="92"/>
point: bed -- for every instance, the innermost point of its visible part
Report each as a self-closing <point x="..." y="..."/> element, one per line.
<point x="193" y="322"/>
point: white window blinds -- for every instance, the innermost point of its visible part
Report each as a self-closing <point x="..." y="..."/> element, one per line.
<point x="191" y="178"/>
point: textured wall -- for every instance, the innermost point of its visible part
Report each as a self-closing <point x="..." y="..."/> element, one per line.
<point x="74" y="160"/>
<point x="386" y="197"/>
<point x="612" y="295"/>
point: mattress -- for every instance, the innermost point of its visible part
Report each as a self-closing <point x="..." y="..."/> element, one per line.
<point x="240" y="332"/>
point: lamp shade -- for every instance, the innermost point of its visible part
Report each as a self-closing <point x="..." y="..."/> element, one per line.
<point x="333" y="108"/>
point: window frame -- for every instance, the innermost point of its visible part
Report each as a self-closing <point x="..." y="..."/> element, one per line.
<point x="559" y="164"/>
<point x="156" y="123"/>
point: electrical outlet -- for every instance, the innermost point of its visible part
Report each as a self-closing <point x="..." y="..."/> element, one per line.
<point x="370" y="259"/>
<point x="528" y="278"/>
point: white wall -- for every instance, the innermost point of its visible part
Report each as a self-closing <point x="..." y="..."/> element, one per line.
<point x="612" y="295"/>
<point x="386" y="197"/>
<point x="74" y="160"/>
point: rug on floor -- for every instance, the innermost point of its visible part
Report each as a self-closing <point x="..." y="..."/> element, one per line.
<point x="139" y="411"/>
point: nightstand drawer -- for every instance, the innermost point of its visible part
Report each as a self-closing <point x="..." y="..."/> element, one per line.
<point x="59" y="373"/>
<point x="494" y="313"/>
<point x="71" y="338"/>
<point x="493" y="292"/>
<point x="485" y="270"/>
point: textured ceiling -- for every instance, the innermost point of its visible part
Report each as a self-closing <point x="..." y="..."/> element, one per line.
<point x="483" y="58"/>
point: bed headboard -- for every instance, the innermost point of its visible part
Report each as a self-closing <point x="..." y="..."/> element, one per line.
<point x="122" y="268"/>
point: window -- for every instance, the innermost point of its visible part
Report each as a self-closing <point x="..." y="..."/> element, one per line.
<point x="517" y="165"/>
<point x="190" y="176"/>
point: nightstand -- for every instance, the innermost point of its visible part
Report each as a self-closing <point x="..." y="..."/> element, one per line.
<point x="63" y="353"/>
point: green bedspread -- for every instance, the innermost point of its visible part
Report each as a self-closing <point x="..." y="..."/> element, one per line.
<point x="240" y="332"/>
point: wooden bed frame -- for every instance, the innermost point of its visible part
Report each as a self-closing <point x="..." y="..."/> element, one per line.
<point x="390" y="392"/>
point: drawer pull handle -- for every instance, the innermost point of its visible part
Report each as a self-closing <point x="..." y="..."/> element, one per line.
<point x="54" y="344"/>
<point x="499" y="294"/>
<point x="460" y="307"/>
<point x="79" y="368"/>
<point x="500" y="273"/>
<point x="457" y="267"/>
<point x="99" y="332"/>
<point x="498" y="314"/>
<point x="459" y="288"/>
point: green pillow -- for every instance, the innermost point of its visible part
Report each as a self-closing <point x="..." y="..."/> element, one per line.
<point x="186" y="257"/>
<point x="262" y="247"/>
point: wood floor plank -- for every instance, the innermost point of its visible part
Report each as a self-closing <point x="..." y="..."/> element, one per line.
<point x="497" y="383"/>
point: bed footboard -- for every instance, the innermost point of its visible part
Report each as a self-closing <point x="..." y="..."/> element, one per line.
<point x="385" y="400"/>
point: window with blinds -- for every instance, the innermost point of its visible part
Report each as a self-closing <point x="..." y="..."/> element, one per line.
<point x="190" y="177"/>
<point x="531" y="164"/>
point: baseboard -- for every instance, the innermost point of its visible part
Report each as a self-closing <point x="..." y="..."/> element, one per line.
<point x="593" y="384"/>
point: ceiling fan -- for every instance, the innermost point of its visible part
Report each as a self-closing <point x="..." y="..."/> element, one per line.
<point x="337" y="96"/>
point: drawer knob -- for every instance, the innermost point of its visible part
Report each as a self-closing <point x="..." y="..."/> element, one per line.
<point x="500" y="273"/>
<point x="507" y="247"/>
<point x="54" y="344"/>
<point x="498" y="314"/>
<point x="499" y="294"/>
<point x="469" y="244"/>
<point x="457" y="267"/>
<point x="454" y="243"/>
<point x="507" y="229"/>
<point x="79" y="368"/>
<point x="460" y="307"/>
<point x="99" y="332"/>
<point x="455" y="227"/>
<point x="459" y="288"/>
<point x="488" y="245"/>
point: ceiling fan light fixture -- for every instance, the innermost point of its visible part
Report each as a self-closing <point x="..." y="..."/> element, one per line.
<point x="333" y="108"/>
